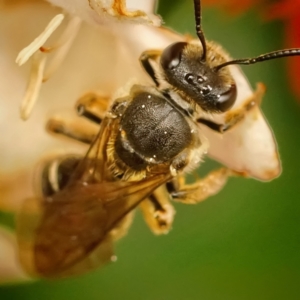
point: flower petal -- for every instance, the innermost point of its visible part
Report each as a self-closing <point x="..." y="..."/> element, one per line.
<point x="249" y="147"/>
<point x="101" y="12"/>
<point x="10" y="269"/>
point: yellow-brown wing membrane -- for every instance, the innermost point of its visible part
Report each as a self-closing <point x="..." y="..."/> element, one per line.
<point x="93" y="167"/>
<point x="72" y="231"/>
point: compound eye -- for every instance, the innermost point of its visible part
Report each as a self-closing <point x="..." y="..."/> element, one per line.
<point x="171" y="56"/>
<point x="227" y="99"/>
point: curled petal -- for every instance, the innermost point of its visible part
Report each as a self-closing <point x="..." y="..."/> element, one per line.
<point x="249" y="147"/>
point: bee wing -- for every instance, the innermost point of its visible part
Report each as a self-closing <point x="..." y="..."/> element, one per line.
<point x="92" y="167"/>
<point x="73" y="231"/>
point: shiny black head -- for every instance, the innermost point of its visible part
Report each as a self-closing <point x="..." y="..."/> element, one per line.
<point x="198" y="71"/>
<point x="186" y="70"/>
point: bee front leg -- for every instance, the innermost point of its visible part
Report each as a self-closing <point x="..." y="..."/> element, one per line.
<point x="92" y="107"/>
<point x="158" y="211"/>
<point x="72" y="129"/>
<point x="145" y="61"/>
<point x="235" y="116"/>
<point x="201" y="189"/>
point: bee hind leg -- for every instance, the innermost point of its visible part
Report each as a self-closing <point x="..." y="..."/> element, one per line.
<point x="201" y="189"/>
<point x="158" y="211"/>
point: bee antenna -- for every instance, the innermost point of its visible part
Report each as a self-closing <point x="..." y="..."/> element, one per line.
<point x="260" y="58"/>
<point x="200" y="34"/>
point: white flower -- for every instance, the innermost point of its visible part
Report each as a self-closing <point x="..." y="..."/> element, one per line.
<point x="10" y="269"/>
<point x="96" y="45"/>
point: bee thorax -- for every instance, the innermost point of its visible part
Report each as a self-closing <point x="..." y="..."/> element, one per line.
<point x="153" y="132"/>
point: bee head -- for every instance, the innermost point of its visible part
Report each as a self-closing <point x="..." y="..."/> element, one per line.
<point x="199" y="72"/>
<point x="194" y="75"/>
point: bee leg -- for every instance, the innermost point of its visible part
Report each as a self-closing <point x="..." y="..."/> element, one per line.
<point x="201" y="189"/>
<point x="158" y="211"/>
<point x="235" y="116"/>
<point x="72" y="129"/>
<point x="212" y="125"/>
<point x="93" y="107"/>
<point x="145" y="61"/>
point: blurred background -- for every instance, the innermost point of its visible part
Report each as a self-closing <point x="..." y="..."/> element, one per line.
<point x="243" y="243"/>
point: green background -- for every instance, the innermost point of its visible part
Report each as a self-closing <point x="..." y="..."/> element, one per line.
<point x="241" y="244"/>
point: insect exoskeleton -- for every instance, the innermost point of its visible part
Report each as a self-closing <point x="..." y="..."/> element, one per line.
<point x="148" y="139"/>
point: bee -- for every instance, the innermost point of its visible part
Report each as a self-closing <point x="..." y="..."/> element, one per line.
<point x="148" y="139"/>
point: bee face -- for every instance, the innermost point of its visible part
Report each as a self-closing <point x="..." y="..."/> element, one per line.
<point x="184" y="68"/>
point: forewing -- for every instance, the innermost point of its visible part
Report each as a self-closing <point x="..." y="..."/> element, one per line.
<point x="73" y="231"/>
<point x="53" y="236"/>
<point x="93" y="167"/>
